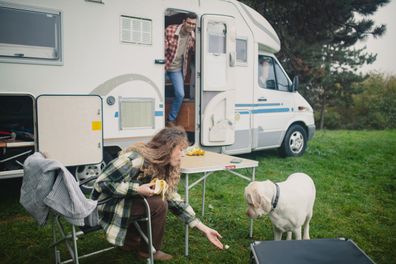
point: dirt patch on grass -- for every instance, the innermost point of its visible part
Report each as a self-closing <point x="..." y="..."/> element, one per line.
<point x="16" y="218"/>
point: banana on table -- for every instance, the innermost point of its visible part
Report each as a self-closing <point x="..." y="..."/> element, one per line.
<point x="195" y="152"/>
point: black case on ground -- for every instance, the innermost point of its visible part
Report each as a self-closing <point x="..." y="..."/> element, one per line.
<point x="316" y="251"/>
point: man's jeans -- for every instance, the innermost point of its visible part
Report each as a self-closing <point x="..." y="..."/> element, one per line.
<point x="178" y="88"/>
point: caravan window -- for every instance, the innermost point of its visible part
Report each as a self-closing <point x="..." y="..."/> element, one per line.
<point x="271" y="75"/>
<point x="283" y="83"/>
<point x="217" y="37"/>
<point x="241" y="50"/>
<point x="29" y="35"/>
<point x="266" y="75"/>
<point x="136" y="30"/>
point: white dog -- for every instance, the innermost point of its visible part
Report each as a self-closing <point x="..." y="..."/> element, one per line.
<point x="289" y="204"/>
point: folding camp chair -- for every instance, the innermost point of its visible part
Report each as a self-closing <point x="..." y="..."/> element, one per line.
<point x="60" y="235"/>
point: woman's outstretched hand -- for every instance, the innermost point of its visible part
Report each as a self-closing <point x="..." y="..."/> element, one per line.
<point x="212" y="235"/>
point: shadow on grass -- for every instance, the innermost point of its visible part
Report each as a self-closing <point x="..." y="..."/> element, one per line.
<point x="262" y="154"/>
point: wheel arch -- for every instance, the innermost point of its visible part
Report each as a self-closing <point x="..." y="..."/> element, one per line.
<point x="297" y="122"/>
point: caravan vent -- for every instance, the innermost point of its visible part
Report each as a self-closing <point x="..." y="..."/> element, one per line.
<point x="136" y="30"/>
<point x="136" y="113"/>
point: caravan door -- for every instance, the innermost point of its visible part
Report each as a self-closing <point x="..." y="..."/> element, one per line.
<point x="273" y="103"/>
<point x="69" y="128"/>
<point x="217" y="84"/>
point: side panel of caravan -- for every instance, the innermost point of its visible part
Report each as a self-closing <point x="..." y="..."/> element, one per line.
<point x="113" y="50"/>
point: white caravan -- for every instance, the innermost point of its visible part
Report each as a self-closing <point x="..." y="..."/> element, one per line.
<point x="80" y="79"/>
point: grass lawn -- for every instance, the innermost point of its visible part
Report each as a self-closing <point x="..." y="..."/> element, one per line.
<point x="355" y="177"/>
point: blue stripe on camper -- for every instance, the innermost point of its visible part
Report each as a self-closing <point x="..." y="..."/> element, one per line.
<point x="159" y="113"/>
<point x="270" y="110"/>
<point x="256" y="105"/>
<point x="261" y="111"/>
<point x="116" y="114"/>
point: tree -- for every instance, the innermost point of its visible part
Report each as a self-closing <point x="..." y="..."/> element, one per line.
<point x="375" y="104"/>
<point x="316" y="38"/>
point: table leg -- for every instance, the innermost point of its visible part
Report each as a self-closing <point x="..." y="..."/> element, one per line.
<point x="203" y="194"/>
<point x="251" y="220"/>
<point x="186" y="233"/>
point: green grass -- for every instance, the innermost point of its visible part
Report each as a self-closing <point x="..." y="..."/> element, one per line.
<point x="354" y="173"/>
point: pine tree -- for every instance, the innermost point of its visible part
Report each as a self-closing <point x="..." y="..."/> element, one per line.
<point x="317" y="39"/>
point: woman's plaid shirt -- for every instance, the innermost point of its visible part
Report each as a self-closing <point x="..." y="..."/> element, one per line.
<point x="119" y="181"/>
<point x="172" y="42"/>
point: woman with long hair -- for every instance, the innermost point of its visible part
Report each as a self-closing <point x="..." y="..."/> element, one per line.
<point x="129" y="176"/>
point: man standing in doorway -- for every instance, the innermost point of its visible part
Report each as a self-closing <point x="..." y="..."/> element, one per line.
<point x="179" y="44"/>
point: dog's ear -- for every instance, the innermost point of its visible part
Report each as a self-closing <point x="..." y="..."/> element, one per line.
<point x="255" y="194"/>
<point x="263" y="193"/>
<point x="266" y="204"/>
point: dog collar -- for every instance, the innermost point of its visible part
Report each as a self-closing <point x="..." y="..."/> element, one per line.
<point x="275" y="199"/>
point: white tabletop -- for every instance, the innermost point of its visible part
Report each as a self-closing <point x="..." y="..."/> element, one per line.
<point x="211" y="161"/>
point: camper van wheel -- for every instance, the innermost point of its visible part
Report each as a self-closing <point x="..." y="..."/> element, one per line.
<point x="295" y="140"/>
<point x="84" y="172"/>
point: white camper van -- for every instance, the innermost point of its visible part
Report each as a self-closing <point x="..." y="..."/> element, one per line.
<point x="80" y="79"/>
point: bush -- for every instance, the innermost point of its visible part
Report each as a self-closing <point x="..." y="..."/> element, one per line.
<point x="372" y="107"/>
<point x="375" y="107"/>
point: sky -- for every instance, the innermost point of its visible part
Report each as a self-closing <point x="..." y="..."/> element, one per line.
<point x="384" y="46"/>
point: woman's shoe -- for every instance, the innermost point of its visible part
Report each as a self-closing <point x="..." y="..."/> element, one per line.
<point x="131" y="246"/>
<point x="159" y="255"/>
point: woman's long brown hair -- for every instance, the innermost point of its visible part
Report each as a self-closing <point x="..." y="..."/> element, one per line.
<point x="157" y="154"/>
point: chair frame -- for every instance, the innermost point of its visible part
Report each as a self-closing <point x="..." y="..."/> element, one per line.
<point x="70" y="239"/>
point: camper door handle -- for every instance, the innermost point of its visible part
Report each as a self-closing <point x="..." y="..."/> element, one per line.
<point x="159" y="61"/>
<point x="262" y="99"/>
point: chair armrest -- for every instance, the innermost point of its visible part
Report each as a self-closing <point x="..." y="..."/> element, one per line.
<point x="87" y="180"/>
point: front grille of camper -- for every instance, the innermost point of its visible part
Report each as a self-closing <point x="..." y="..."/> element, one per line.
<point x="136" y="113"/>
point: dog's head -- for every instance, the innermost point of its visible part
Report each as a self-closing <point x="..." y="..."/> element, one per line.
<point x="258" y="195"/>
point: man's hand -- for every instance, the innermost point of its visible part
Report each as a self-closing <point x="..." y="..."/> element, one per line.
<point x="146" y="190"/>
<point x="212" y="235"/>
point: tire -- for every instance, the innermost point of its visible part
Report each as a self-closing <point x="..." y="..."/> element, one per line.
<point x="85" y="171"/>
<point x="295" y="141"/>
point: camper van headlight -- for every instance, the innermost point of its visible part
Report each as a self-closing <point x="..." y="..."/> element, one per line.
<point x="304" y="109"/>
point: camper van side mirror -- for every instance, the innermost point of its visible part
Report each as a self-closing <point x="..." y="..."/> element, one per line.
<point x="270" y="84"/>
<point x="294" y="86"/>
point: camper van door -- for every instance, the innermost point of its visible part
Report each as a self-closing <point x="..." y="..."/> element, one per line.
<point x="273" y="103"/>
<point x="218" y="59"/>
<point x="69" y="128"/>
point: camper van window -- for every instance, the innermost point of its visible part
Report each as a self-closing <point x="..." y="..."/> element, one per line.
<point x="136" y="30"/>
<point x="266" y="76"/>
<point x="29" y="35"/>
<point x="283" y="83"/>
<point x="241" y="50"/>
<point x="217" y="37"/>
